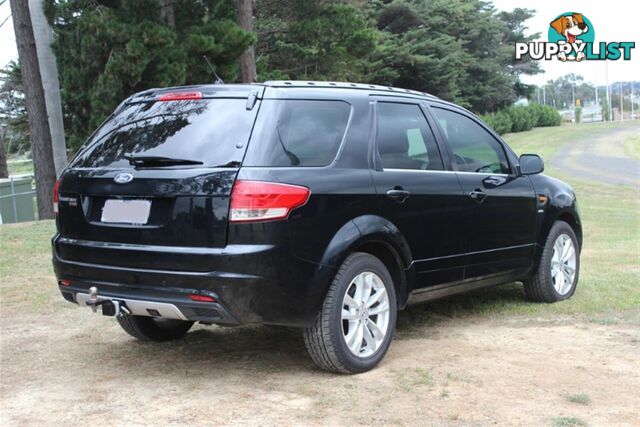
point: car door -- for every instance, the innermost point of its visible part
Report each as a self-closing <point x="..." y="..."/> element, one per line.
<point x="416" y="192"/>
<point x="500" y="210"/>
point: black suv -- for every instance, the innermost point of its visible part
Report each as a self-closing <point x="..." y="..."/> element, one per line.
<point x="322" y="206"/>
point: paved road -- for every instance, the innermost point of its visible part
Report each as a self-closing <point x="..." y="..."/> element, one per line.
<point x="600" y="157"/>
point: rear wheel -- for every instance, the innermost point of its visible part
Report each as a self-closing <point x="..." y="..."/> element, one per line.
<point x="557" y="274"/>
<point x="152" y="328"/>
<point x="355" y="326"/>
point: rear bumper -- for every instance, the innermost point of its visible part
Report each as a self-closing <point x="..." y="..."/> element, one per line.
<point x="252" y="284"/>
<point x="156" y="304"/>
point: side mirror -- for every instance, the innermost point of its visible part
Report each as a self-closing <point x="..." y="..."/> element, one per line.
<point x="531" y="164"/>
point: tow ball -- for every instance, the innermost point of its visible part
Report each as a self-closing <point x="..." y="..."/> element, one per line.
<point x="109" y="307"/>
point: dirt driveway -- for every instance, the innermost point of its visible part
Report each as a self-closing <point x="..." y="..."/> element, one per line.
<point x="74" y="368"/>
<point x="600" y="157"/>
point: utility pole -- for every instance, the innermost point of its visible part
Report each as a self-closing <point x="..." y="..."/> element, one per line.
<point x="544" y="95"/>
<point x="632" y="85"/>
<point x="606" y="77"/>
<point x="36" y="108"/>
<point x="596" y="85"/>
<point x="49" y="73"/>
<point x="621" y="106"/>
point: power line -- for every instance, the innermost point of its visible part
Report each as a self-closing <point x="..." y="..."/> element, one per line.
<point x="5" y="19"/>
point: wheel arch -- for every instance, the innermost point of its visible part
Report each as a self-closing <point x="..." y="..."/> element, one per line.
<point x="567" y="215"/>
<point x="381" y="238"/>
<point x="571" y="219"/>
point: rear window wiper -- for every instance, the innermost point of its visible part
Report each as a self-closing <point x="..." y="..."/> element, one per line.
<point x="158" y="161"/>
<point x="231" y="164"/>
<point x="295" y="161"/>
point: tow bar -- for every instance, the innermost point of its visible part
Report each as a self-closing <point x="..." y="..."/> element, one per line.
<point x="109" y="307"/>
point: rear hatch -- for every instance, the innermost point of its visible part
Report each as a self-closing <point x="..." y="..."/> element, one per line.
<point x="150" y="189"/>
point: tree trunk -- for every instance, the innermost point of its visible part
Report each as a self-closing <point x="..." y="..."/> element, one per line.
<point x="248" y="58"/>
<point x="167" y="12"/>
<point x="50" y="83"/>
<point x="4" y="170"/>
<point x="36" y="108"/>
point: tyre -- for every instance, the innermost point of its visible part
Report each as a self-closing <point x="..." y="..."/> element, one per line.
<point x="153" y="329"/>
<point x="557" y="275"/>
<point x="355" y="326"/>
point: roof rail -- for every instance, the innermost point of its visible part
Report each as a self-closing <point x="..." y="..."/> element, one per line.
<point x="344" y="85"/>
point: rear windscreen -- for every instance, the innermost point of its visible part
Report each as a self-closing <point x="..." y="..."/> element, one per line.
<point x="298" y="133"/>
<point x="212" y="131"/>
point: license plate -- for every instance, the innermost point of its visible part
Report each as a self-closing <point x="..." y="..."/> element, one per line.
<point x="126" y="211"/>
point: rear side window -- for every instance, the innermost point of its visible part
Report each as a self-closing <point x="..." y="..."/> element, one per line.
<point x="474" y="149"/>
<point x="298" y="133"/>
<point x="404" y="138"/>
<point x="212" y="131"/>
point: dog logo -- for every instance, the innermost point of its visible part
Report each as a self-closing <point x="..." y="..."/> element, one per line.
<point x="572" y="29"/>
<point x="571" y="37"/>
<point x="123" y="178"/>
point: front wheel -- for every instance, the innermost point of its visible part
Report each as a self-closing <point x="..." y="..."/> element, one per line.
<point x="355" y="326"/>
<point x="557" y="275"/>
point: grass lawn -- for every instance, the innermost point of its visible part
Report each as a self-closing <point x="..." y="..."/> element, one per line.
<point x="632" y="147"/>
<point x="607" y="292"/>
<point x="20" y="167"/>
<point x="545" y="141"/>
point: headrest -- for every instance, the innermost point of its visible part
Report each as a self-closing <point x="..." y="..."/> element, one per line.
<point x="392" y="140"/>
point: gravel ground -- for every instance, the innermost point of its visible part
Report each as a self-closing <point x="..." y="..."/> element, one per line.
<point x="75" y="368"/>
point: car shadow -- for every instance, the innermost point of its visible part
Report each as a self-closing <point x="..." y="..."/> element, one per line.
<point x="254" y="350"/>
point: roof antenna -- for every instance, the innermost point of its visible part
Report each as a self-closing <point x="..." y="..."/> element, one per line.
<point x="218" y="80"/>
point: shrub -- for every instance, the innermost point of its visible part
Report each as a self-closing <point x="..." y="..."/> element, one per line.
<point x="578" y="114"/>
<point x="537" y="111"/>
<point x="518" y="119"/>
<point x="522" y="118"/>
<point x="547" y="116"/>
<point x="499" y="121"/>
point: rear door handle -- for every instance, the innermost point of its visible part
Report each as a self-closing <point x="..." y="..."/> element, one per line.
<point x="398" y="194"/>
<point x="478" y="195"/>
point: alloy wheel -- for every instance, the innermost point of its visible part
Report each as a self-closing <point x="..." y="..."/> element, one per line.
<point x="563" y="264"/>
<point x="365" y="314"/>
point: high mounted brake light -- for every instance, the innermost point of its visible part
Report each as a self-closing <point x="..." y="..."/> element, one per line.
<point x="56" y="196"/>
<point x="180" y="96"/>
<point x="263" y="201"/>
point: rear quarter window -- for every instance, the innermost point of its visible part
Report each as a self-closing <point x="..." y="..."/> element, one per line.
<point x="298" y="133"/>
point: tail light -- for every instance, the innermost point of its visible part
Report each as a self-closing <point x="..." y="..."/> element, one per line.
<point x="56" y="196"/>
<point x="180" y="96"/>
<point x="262" y="201"/>
<point x="201" y="298"/>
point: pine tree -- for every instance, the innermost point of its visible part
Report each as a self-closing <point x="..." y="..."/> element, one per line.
<point x="312" y="40"/>
<point x="460" y="50"/>
<point x="107" y="50"/>
<point x="42" y="153"/>
<point x="248" y="58"/>
<point x="13" y="110"/>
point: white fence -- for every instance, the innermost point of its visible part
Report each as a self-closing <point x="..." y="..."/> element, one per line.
<point x="17" y="199"/>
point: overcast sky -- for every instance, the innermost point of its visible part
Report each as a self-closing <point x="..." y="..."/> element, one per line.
<point x="613" y="20"/>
